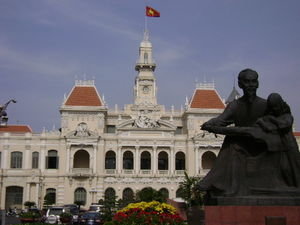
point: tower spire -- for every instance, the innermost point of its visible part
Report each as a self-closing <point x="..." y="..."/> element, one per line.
<point x="145" y="83"/>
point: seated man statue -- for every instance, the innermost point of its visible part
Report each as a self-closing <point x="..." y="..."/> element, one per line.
<point x="259" y="153"/>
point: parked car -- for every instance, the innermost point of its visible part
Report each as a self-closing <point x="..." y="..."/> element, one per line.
<point x="95" y="208"/>
<point x="90" y="218"/>
<point x="74" y="210"/>
<point x="52" y="214"/>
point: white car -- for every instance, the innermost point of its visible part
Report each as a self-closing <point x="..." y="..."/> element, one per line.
<point x="52" y="214"/>
<point x="95" y="208"/>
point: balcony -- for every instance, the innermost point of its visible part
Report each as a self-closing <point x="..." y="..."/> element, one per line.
<point x="110" y="171"/>
<point x="145" y="172"/>
<point x="127" y="171"/>
<point x="163" y="172"/>
<point x="81" y="172"/>
<point x="179" y="172"/>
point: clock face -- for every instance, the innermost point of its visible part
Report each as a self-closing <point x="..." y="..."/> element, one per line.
<point x="146" y="89"/>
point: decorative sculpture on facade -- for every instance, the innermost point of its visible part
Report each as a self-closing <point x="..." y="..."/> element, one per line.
<point x="143" y="121"/>
<point x="82" y="130"/>
<point x="3" y="114"/>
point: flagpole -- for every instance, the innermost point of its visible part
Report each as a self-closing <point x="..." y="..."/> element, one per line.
<point x="146" y="19"/>
<point x="146" y="23"/>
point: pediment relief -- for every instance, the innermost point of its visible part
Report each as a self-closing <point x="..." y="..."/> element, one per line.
<point x="82" y="131"/>
<point x="204" y="135"/>
<point x="146" y="124"/>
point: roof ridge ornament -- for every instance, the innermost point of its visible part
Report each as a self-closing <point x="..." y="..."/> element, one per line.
<point x="146" y="35"/>
<point x="84" y="82"/>
<point x="206" y="85"/>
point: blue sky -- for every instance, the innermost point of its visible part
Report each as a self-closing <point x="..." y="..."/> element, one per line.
<point x="46" y="44"/>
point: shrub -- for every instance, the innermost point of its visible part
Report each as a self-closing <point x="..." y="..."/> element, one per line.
<point x="30" y="215"/>
<point x="65" y="215"/>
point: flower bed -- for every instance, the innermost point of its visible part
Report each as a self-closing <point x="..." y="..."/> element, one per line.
<point x="148" y="213"/>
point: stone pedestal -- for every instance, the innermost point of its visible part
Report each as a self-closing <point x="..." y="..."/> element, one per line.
<point x="252" y="215"/>
<point x="256" y="201"/>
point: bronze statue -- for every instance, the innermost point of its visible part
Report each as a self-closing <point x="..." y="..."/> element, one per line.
<point x="259" y="154"/>
<point x="3" y="114"/>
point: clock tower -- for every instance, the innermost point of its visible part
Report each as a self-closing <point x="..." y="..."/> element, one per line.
<point x="145" y="83"/>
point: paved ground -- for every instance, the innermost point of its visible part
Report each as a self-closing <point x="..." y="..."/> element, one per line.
<point x="10" y="220"/>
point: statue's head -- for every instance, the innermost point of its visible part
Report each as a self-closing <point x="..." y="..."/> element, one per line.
<point x="276" y="105"/>
<point x="248" y="81"/>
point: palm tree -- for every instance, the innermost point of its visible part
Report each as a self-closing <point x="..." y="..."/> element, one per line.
<point x="193" y="199"/>
<point x="189" y="192"/>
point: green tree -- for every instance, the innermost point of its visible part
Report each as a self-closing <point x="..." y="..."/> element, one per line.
<point x="48" y="200"/>
<point x="29" y="204"/>
<point x="189" y="192"/>
<point x="109" y="207"/>
<point x="149" y="194"/>
<point x="79" y="203"/>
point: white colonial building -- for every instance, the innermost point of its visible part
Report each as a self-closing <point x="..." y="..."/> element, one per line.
<point x="100" y="151"/>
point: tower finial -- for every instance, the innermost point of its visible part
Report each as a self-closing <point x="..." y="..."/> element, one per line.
<point x="146" y="35"/>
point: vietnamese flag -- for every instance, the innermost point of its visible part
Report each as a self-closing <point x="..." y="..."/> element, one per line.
<point x="152" y="12"/>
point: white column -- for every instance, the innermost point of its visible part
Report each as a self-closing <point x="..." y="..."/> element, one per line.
<point x="137" y="160"/>
<point x="154" y="163"/>
<point x="26" y="159"/>
<point x="71" y="162"/>
<point x="172" y="161"/>
<point x="36" y="198"/>
<point x="27" y="192"/>
<point x="95" y="158"/>
<point x="197" y="169"/>
<point x="42" y="160"/>
<point x="200" y="159"/>
<point x="5" y="159"/>
<point x="68" y="159"/>
<point x="119" y="160"/>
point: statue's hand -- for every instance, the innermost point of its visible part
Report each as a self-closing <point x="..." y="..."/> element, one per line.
<point x="263" y="124"/>
<point x="206" y="127"/>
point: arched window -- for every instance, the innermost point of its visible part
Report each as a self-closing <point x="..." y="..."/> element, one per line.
<point x="35" y="160"/>
<point x="13" y="197"/>
<point x="16" y="160"/>
<point x="179" y="193"/>
<point x="180" y="161"/>
<point x="110" y="193"/>
<point x="163" y="162"/>
<point x="128" y="160"/>
<point x="208" y="160"/>
<point x="164" y="192"/>
<point x="110" y="160"/>
<point x="146" y="57"/>
<point x="52" y="160"/>
<point x="81" y="159"/>
<point x="145" y="161"/>
<point x="128" y="195"/>
<point x="50" y="197"/>
<point x="80" y="195"/>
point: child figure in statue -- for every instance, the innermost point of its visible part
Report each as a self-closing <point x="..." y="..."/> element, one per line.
<point x="273" y="169"/>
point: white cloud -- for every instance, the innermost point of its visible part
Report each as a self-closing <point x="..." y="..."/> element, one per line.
<point x="91" y="15"/>
<point x="35" y="64"/>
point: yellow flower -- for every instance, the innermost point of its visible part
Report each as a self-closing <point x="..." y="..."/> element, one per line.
<point x="154" y="205"/>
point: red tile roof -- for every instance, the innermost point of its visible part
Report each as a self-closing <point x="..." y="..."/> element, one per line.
<point x="208" y="99"/>
<point x="16" y="129"/>
<point x="297" y="134"/>
<point x="84" y="96"/>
